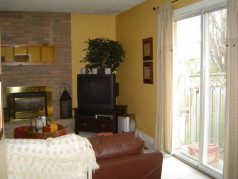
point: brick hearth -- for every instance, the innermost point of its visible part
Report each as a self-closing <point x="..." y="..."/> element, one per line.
<point x="38" y="28"/>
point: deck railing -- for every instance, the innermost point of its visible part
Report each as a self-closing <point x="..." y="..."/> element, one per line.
<point x="216" y="118"/>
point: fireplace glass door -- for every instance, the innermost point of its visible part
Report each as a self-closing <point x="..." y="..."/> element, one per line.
<point x="29" y="105"/>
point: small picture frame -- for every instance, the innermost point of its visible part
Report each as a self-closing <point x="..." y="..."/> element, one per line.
<point x="147" y="48"/>
<point x="148" y="72"/>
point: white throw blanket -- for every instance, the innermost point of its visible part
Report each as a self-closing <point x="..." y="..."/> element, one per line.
<point x="65" y="157"/>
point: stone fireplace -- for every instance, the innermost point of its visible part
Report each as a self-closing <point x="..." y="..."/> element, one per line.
<point x="27" y="102"/>
<point x="38" y="28"/>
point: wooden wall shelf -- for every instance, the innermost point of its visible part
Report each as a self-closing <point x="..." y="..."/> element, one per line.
<point x="27" y="54"/>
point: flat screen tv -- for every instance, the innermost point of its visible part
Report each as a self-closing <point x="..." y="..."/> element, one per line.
<point x="97" y="92"/>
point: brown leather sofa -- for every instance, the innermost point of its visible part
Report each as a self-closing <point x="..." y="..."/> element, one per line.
<point x="122" y="156"/>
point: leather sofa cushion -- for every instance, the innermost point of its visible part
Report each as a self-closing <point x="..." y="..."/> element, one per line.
<point x="117" y="145"/>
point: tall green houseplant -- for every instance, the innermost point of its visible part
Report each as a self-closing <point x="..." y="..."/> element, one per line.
<point x="103" y="53"/>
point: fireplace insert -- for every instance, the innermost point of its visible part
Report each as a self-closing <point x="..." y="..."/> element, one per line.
<point x="28" y="102"/>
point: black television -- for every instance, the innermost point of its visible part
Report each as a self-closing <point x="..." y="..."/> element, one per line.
<point x="97" y="92"/>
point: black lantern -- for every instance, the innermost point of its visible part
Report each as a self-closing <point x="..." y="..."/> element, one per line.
<point x="65" y="104"/>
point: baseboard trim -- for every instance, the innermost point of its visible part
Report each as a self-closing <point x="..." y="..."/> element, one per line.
<point x="149" y="141"/>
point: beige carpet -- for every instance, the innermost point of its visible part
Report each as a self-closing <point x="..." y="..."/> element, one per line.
<point x="176" y="169"/>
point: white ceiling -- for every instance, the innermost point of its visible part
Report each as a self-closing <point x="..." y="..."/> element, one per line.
<point x="105" y="7"/>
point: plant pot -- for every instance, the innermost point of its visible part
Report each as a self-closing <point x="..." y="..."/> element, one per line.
<point x="107" y="71"/>
<point x="83" y="71"/>
<point x="94" y="71"/>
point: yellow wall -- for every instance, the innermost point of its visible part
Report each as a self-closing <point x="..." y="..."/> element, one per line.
<point x="84" y="27"/>
<point x="131" y="27"/>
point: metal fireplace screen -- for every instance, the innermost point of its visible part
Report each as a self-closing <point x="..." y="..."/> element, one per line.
<point x="26" y="102"/>
<point x="29" y="105"/>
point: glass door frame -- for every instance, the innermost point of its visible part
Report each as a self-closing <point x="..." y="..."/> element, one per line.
<point x="204" y="97"/>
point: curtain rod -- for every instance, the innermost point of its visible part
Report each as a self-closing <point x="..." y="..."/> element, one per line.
<point x="154" y="9"/>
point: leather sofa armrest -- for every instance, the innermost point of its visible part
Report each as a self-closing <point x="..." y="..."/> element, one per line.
<point x="144" y="165"/>
<point x="117" y="145"/>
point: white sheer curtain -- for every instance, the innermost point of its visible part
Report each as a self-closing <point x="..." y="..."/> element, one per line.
<point x="164" y="76"/>
<point x="231" y="139"/>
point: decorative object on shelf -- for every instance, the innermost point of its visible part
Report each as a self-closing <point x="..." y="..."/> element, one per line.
<point x="103" y="53"/>
<point x="148" y="72"/>
<point x="65" y="103"/>
<point x="147" y="48"/>
<point x="21" y="58"/>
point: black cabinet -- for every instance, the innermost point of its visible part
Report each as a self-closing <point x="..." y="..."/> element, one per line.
<point x="97" y="120"/>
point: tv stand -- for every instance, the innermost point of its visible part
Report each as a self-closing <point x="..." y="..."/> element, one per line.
<point x="98" y="120"/>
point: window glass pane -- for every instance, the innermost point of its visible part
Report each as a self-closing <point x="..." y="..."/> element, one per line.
<point x="217" y="89"/>
<point x="186" y="83"/>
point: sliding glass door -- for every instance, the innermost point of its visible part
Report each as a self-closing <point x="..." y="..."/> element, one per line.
<point x="199" y="88"/>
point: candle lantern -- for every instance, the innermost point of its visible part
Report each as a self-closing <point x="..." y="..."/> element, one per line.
<point x="65" y="103"/>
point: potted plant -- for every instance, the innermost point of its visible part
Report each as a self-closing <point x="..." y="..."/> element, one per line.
<point x="103" y="53"/>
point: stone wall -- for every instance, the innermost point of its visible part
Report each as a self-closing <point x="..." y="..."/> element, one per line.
<point x="38" y="28"/>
